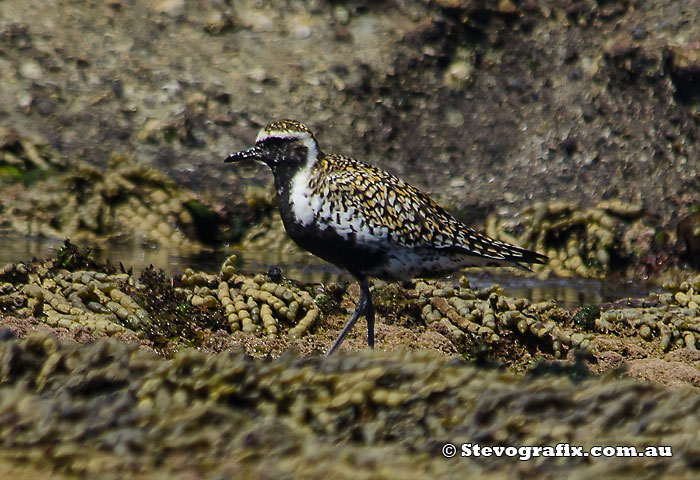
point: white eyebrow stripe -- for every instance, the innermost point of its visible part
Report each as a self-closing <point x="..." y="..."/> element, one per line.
<point x="264" y="135"/>
<point x="306" y="139"/>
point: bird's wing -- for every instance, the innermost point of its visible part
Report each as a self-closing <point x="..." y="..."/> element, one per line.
<point x="384" y="206"/>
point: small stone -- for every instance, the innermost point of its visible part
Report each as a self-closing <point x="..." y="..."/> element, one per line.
<point x="171" y="8"/>
<point x="507" y="6"/>
<point x="458" y="74"/>
<point x="31" y="70"/>
<point x="6" y="334"/>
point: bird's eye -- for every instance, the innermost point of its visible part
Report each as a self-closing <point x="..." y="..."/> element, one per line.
<point x="300" y="150"/>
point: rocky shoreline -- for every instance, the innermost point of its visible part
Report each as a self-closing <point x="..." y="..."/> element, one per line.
<point x="569" y="127"/>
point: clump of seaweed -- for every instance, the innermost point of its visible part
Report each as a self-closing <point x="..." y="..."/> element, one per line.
<point x="488" y="317"/>
<point x="71" y="257"/>
<point x="26" y="160"/>
<point x="579" y="241"/>
<point x="586" y="316"/>
<point x="125" y="201"/>
<point x="174" y="318"/>
<point x="254" y="304"/>
<point x="75" y="292"/>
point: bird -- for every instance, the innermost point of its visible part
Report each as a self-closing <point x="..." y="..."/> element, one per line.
<point x="366" y="220"/>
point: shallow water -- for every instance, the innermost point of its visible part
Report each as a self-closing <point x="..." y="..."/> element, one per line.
<point x="568" y="292"/>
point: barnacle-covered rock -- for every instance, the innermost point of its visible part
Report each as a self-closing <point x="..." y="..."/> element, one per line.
<point x="684" y="67"/>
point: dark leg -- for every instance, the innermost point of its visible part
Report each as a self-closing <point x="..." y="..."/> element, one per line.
<point x="364" y="306"/>
<point x="369" y="315"/>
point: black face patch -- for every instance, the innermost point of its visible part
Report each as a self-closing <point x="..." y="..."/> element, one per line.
<point x="275" y="142"/>
<point x="282" y="152"/>
<point x="285" y="156"/>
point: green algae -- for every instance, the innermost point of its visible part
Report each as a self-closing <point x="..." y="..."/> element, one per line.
<point x="585" y="317"/>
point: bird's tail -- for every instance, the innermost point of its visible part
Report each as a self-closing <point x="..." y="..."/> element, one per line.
<point x="485" y="251"/>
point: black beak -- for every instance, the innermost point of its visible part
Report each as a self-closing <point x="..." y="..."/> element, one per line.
<point x="253" y="153"/>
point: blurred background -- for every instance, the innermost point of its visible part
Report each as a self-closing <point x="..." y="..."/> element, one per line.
<point x="570" y="127"/>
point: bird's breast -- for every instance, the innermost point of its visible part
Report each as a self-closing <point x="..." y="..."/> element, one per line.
<point x="325" y="209"/>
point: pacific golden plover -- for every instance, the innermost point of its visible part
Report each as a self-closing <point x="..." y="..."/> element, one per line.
<point x="365" y="220"/>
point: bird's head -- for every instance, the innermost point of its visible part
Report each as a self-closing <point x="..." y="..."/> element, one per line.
<point x="285" y="145"/>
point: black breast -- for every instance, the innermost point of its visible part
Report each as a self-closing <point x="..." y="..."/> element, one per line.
<point x="344" y="252"/>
